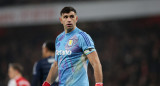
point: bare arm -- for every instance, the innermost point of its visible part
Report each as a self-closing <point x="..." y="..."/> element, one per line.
<point x="94" y="60"/>
<point x="52" y="75"/>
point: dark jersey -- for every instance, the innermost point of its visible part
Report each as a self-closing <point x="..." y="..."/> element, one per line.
<point x="41" y="70"/>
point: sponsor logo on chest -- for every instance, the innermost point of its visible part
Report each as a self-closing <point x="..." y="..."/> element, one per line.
<point x="63" y="52"/>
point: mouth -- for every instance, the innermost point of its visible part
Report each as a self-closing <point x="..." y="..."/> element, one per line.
<point x="69" y="25"/>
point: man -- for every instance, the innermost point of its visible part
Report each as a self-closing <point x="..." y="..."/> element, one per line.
<point x="15" y="75"/>
<point x="42" y="67"/>
<point x="74" y="50"/>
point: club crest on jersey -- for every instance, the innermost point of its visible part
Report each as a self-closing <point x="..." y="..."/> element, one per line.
<point x="70" y="42"/>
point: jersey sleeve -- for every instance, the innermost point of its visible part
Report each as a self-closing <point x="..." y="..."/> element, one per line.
<point x="86" y="43"/>
<point x="56" y="57"/>
<point x="36" y="74"/>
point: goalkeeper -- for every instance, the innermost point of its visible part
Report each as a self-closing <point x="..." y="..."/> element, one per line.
<point x="74" y="50"/>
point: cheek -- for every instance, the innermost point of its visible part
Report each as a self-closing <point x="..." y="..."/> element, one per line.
<point x="43" y="50"/>
<point x="11" y="74"/>
<point x="63" y="21"/>
<point x="74" y="20"/>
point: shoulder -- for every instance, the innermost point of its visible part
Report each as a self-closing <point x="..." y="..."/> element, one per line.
<point x="82" y="34"/>
<point x="84" y="37"/>
<point x="39" y="63"/>
<point x="42" y="61"/>
<point x="36" y="67"/>
<point x="12" y="82"/>
<point x="60" y="36"/>
<point x="23" y="81"/>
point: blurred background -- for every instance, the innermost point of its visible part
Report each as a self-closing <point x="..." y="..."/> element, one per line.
<point x="126" y="35"/>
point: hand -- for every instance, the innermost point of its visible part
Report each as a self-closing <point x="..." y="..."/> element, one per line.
<point x="46" y="84"/>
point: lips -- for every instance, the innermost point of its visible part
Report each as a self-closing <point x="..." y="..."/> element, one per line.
<point x="69" y="25"/>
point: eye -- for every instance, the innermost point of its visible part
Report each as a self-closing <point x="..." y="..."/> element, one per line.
<point x="65" y="17"/>
<point x="72" y="16"/>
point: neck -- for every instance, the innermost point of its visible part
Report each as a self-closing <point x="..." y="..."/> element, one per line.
<point x="69" y="29"/>
<point x="49" y="54"/>
<point x="18" y="75"/>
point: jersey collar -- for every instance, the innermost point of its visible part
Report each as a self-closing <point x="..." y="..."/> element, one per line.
<point x="50" y="56"/>
<point x="72" y="32"/>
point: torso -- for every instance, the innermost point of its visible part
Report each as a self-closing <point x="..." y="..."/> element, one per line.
<point x="71" y="59"/>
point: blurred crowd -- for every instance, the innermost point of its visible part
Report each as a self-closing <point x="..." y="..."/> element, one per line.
<point x="129" y="49"/>
<point x="4" y="3"/>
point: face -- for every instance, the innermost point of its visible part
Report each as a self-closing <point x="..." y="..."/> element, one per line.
<point x="69" y="20"/>
<point x="11" y="72"/>
<point x="44" y="51"/>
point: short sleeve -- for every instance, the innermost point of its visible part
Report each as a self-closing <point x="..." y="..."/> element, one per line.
<point x="86" y="43"/>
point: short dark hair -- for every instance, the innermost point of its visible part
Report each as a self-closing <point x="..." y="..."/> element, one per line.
<point x="17" y="67"/>
<point x="67" y="10"/>
<point x="50" y="45"/>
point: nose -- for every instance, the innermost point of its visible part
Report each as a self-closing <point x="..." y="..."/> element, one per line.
<point x="68" y="19"/>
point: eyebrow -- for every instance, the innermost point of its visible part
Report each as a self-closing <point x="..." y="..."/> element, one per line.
<point x="68" y="15"/>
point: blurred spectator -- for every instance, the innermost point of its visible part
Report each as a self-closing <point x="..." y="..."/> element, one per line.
<point x="15" y="74"/>
<point x="42" y="67"/>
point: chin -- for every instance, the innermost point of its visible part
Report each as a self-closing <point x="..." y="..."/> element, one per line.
<point x="10" y="77"/>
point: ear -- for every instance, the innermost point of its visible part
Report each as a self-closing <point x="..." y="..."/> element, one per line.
<point x="60" y="18"/>
<point x="76" y="18"/>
